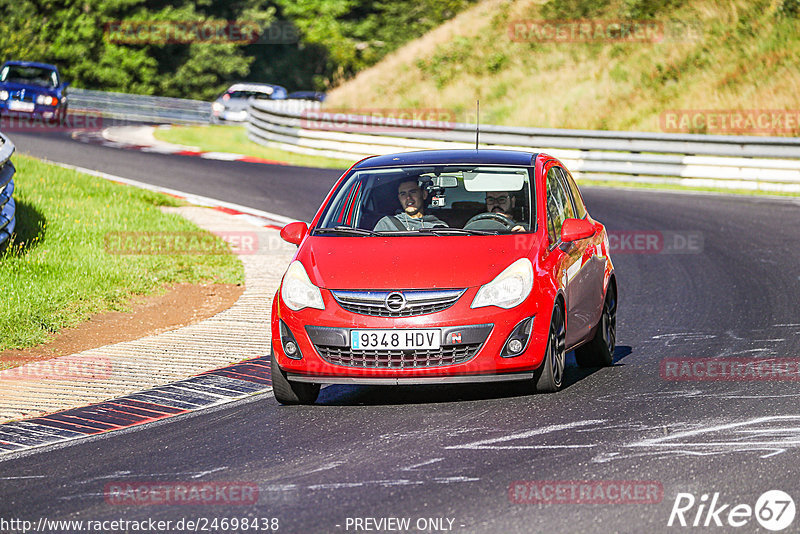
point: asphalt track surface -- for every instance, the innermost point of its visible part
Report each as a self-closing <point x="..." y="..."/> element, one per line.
<point x="453" y="452"/>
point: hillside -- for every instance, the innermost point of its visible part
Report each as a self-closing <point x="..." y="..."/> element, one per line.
<point x="709" y="56"/>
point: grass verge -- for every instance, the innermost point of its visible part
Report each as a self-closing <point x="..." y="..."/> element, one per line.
<point x="224" y="138"/>
<point x="57" y="270"/>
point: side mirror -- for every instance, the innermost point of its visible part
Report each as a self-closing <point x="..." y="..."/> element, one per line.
<point x="65" y="85"/>
<point x="576" y="229"/>
<point x="294" y="232"/>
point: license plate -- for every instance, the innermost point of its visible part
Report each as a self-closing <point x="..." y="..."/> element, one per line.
<point x="395" y="339"/>
<point x="18" y="105"/>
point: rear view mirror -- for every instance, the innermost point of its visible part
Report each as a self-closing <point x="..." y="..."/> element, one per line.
<point x="445" y="181"/>
<point x="576" y="229"/>
<point x="294" y="232"/>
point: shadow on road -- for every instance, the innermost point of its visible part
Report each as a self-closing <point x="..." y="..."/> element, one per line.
<point x="343" y="395"/>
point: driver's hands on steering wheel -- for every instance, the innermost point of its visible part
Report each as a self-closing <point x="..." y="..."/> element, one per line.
<point x="499" y="218"/>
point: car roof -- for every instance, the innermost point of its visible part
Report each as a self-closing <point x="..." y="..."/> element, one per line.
<point x="255" y="87"/>
<point x="31" y="64"/>
<point x="450" y="157"/>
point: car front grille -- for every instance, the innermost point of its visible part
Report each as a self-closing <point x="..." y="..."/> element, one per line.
<point x="415" y="302"/>
<point x="398" y="359"/>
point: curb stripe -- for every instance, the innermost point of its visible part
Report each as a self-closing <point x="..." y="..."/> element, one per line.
<point x="95" y="137"/>
<point x="211" y="388"/>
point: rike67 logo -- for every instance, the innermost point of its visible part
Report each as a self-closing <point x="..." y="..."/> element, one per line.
<point x="774" y="510"/>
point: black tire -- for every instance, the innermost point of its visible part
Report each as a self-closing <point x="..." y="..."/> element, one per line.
<point x="549" y="377"/>
<point x="599" y="351"/>
<point x="287" y="392"/>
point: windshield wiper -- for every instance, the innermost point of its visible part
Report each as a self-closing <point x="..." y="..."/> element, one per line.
<point x="442" y="230"/>
<point x="345" y="230"/>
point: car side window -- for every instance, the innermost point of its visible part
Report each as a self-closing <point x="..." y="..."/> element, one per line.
<point x="577" y="199"/>
<point x="559" y="206"/>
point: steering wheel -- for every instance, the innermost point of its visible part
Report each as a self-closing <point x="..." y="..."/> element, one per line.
<point x="498" y="218"/>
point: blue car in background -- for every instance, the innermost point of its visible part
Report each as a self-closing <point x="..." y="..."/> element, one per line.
<point x="32" y="89"/>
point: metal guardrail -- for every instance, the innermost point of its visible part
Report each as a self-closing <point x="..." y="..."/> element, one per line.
<point x="690" y="159"/>
<point x="7" y="205"/>
<point x="145" y="108"/>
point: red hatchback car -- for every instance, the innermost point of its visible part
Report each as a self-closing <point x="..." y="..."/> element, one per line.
<point x="444" y="266"/>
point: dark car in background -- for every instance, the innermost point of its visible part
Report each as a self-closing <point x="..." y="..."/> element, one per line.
<point x="32" y="89"/>
<point x="232" y="105"/>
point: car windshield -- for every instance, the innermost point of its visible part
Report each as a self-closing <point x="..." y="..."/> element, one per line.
<point x="246" y="94"/>
<point x="29" y="75"/>
<point x="438" y="200"/>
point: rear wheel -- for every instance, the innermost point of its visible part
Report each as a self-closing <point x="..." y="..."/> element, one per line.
<point x="287" y="392"/>
<point x="550" y="375"/>
<point x="599" y="351"/>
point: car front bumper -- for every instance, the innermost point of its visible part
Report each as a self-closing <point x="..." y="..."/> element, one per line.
<point x="472" y="344"/>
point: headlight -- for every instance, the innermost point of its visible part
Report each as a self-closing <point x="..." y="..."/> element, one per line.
<point x="217" y="107"/>
<point x="3" y="95"/>
<point x="45" y="100"/>
<point x="297" y="290"/>
<point x="509" y="288"/>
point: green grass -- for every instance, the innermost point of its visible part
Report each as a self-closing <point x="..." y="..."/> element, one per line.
<point x="737" y="55"/>
<point x="223" y="138"/>
<point x="57" y="272"/>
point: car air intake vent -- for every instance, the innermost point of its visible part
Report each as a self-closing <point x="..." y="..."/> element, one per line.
<point x="397" y="303"/>
<point x="398" y="359"/>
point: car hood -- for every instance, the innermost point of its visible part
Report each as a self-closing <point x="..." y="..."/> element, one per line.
<point x="335" y="262"/>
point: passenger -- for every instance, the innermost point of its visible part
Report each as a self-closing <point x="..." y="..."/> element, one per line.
<point x="503" y="202"/>
<point x="412" y="199"/>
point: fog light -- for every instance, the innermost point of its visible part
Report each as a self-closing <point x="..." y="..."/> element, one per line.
<point x="289" y="343"/>
<point x="518" y="340"/>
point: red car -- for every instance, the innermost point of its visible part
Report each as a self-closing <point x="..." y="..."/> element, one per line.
<point x="444" y="266"/>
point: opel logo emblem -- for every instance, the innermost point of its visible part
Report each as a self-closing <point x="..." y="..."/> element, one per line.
<point x="395" y="301"/>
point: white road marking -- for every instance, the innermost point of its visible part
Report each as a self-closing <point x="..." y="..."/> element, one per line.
<point x="491" y="443"/>
<point x="426" y="462"/>
<point x="734" y="438"/>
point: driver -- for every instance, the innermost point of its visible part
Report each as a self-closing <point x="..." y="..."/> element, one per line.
<point x="503" y="202"/>
<point x="412" y="200"/>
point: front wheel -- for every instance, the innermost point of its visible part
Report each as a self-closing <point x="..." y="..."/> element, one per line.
<point x="287" y="392"/>
<point x="599" y="351"/>
<point x="550" y="375"/>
